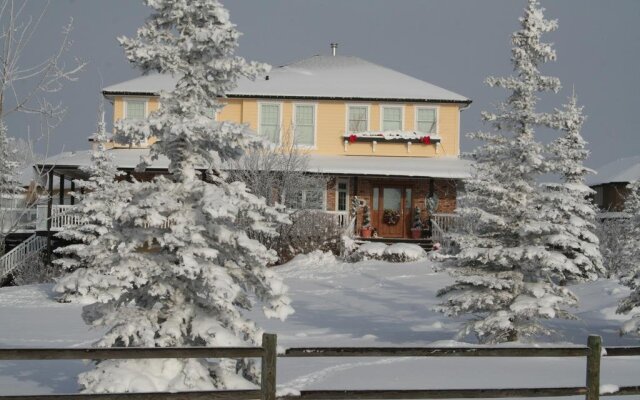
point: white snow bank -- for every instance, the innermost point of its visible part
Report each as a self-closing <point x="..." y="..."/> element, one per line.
<point x="368" y="303"/>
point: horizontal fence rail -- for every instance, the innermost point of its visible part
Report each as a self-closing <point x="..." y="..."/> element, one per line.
<point x="267" y="353"/>
<point x="195" y="395"/>
<point x="121" y="353"/>
<point x="436" y="393"/>
<point x="591" y="390"/>
<point x="437" y="352"/>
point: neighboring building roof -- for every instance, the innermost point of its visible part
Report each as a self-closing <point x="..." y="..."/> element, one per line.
<point x="317" y="77"/>
<point x="622" y="170"/>
<point x="442" y="167"/>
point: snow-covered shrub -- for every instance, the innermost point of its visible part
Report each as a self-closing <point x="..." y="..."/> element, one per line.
<point x="403" y="252"/>
<point x="309" y="230"/>
<point x="611" y="233"/>
<point x="397" y="252"/>
<point x="38" y="270"/>
<point x="369" y="251"/>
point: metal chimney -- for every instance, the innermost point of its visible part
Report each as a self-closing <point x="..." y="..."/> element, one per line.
<point x="334" y="49"/>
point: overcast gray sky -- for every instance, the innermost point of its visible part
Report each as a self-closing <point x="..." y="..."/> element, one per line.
<point x="454" y="44"/>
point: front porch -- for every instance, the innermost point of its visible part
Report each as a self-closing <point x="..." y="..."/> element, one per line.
<point x="392" y="206"/>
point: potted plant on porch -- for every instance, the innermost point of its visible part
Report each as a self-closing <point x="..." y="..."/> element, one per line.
<point x="416" y="228"/>
<point x="366" y="229"/>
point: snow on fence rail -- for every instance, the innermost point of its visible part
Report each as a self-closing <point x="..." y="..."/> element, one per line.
<point x="593" y="352"/>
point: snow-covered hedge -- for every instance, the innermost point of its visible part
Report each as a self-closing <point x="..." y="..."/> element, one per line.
<point x="398" y="252"/>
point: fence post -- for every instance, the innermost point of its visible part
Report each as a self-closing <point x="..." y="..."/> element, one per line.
<point x="593" y="367"/>
<point x="268" y="375"/>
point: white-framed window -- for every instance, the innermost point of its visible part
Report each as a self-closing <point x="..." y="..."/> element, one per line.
<point x="357" y="118"/>
<point x="427" y="119"/>
<point x="391" y="118"/>
<point x="135" y="109"/>
<point x="305" y="124"/>
<point x="269" y="121"/>
<point x="307" y="199"/>
<point x="342" y="194"/>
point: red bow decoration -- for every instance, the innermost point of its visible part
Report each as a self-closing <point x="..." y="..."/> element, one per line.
<point x="426" y="139"/>
<point x="352" y="138"/>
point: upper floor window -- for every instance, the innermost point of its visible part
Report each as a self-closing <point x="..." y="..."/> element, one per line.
<point x="391" y="118"/>
<point x="269" y="124"/>
<point x="426" y="120"/>
<point x="305" y="124"/>
<point x="135" y="109"/>
<point x="358" y="119"/>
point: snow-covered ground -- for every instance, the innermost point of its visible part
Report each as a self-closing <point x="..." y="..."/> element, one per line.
<point x="370" y="303"/>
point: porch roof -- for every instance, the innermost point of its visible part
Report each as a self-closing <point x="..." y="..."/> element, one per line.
<point x="440" y="167"/>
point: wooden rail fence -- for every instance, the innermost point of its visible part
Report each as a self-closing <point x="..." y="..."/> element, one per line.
<point x="267" y="353"/>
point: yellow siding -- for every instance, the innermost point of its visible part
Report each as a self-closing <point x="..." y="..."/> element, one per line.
<point x="232" y="111"/>
<point x="153" y="105"/>
<point x="331" y="125"/>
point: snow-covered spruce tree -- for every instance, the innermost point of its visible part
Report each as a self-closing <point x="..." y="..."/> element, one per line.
<point x="631" y="247"/>
<point x="566" y="205"/>
<point x="100" y="200"/>
<point x="9" y="186"/>
<point x="181" y="268"/>
<point x="506" y="277"/>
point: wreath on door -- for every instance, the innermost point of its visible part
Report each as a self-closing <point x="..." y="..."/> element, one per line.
<point x="390" y="217"/>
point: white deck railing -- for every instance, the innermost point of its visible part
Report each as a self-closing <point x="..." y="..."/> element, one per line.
<point x="341" y="217"/>
<point x="446" y="222"/>
<point x="60" y="217"/>
<point x="21" y="254"/>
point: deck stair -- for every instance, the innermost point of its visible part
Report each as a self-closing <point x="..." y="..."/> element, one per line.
<point x="426" y="243"/>
<point x="21" y="255"/>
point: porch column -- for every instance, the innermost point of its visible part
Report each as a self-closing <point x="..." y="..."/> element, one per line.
<point x="49" y="206"/>
<point x="355" y="193"/>
<point x="73" y="188"/>
<point x="431" y="193"/>
<point x="61" y="193"/>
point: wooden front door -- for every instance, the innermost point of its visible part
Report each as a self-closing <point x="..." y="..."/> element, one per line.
<point x="390" y="202"/>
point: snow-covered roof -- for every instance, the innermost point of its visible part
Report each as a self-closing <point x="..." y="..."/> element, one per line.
<point x="317" y="77"/>
<point x="437" y="167"/>
<point x="622" y="170"/>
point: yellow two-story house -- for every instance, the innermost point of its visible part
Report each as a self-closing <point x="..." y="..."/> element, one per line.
<point x="390" y="139"/>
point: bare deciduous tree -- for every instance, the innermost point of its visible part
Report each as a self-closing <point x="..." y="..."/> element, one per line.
<point x="26" y="88"/>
